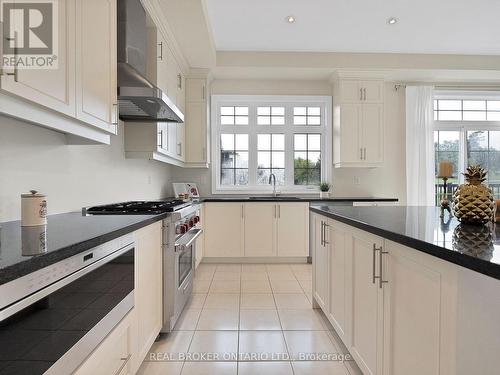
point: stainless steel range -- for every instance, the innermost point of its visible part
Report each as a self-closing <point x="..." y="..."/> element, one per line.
<point x="181" y="228"/>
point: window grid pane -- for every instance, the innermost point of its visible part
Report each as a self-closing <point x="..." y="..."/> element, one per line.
<point x="234" y="159"/>
<point x="307" y="159"/>
<point x="466" y="110"/>
<point x="307" y="116"/>
<point x="270" y="158"/>
<point x="270" y="115"/>
<point x="235" y="115"/>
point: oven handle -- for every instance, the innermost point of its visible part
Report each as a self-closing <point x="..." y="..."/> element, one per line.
<point x="187" y="239"/>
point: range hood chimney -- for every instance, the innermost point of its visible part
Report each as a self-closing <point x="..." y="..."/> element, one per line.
<point x="138" y="99"/>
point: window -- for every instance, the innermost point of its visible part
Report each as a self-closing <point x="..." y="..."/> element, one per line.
<point x="256" y="136"/>
<point x="467" y="131"/>
<point x="307" y="159"/>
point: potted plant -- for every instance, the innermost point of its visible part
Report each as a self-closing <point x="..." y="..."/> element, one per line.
<point x="324" y="189"/>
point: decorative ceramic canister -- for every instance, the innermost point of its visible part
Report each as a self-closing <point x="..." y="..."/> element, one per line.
<point x="34" y="240"/>
<point x="33" y="209"/>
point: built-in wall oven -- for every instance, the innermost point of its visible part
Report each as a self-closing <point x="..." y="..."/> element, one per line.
<point x="53" y="318"/>
<point x="181" y="230"/>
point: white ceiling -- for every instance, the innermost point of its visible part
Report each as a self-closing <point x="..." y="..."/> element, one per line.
<point x="424" y="26"/>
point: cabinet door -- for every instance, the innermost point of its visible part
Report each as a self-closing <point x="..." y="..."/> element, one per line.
<point x="350" y="133"/>
<point x="373" y="132"/>
<point x="51" y="88"/>
<point x="148" y="285"/>
<point x="163" y="63"/>
<point x="350" y="91"/>
<point x="373" y="91"/>
<point x="181" y="91"/>
<point x="96" y="101"/>
<point x="293" y="229"/>
<point x="419" y="313"/>
<point x="179" y="138"/>
<point x="320" y="263"/>
<point x="195" y="90"/>
<point x="340" y="240"/>
<point x="163" y="138"/>
<point x="196" y="132"/>
<point x="223" y="229"/>
<point x="260" y="221"/>
<point x="366" y="303"/>
<point x="172" y="71"/>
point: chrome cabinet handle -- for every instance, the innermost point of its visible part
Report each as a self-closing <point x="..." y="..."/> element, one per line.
<point x="179" y="81"/>
<point x="161" y="51"/>
<point x="325" y="242"/>
<point x="125" y="361"/>
<point x="374" y="257"/>
<point x="179" y="147"/>
<point x="321" y="233"/>
<point x="160" y="139"/>
<point x="364" y="94"/>
<point x="381" y="280"/>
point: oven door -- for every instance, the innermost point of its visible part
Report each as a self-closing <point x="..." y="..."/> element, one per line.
<point x="56" y="328"/>
<point x="185" y="252"/>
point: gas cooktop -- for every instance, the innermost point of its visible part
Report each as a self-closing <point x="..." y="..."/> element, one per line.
<point x="137" y="207"/>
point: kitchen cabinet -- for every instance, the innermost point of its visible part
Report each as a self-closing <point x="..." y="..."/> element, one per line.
<point x="263" y="229"/>
<point x="320" y="256"/>
<point x="365" y="341"/>
<point x="260" y="229"/>
<point x="419" y="313"/>
<point x="96" y="80"/>
<point x="292" y="229"/>
<point x="77" y="98"/>
<point x="148" y="286"/>
<point x="390" y="305"/>
<point x="358" y="123"/>
<point x="51" y="88"/>
<point x="196" y="121"/>
<point x="223" y="230"/>
<point x="339" y="256"/>
<point x="116" y="354"/>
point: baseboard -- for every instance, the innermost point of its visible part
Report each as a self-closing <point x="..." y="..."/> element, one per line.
<point x="255" y="260"/>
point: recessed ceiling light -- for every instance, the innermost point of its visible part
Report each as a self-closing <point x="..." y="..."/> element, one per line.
<point x="392" y="20"/>
<point x="290" y="19"/>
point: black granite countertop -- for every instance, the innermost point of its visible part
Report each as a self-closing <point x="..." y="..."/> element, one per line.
<point x="289" y="198"/>
<point x="66" y="235"/>
<point x="470" y="246"/>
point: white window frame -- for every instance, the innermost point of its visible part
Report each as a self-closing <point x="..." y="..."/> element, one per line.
<point x="254" y="101"/>
<point x="464" y="126"/>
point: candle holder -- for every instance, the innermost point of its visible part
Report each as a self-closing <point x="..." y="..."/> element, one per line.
<point x="445" y="203"/>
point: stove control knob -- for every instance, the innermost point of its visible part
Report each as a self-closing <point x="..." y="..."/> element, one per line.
<point x="191" y="223"/>
<point x="196" y="219"/>
<point x="182" y="228"/>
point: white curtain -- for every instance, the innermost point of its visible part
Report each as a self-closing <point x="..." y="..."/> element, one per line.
<point x="419" y="146"/>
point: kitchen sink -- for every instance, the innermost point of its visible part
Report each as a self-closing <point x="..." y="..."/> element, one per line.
<point x="271" y="198"/>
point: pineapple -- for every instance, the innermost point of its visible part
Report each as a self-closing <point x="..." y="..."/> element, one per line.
<point x="473" y="202"/>
<point x="474" y="240"/>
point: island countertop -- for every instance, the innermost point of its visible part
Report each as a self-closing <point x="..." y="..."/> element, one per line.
<point x="66" y="235"/>
<point x="474" y="247"/>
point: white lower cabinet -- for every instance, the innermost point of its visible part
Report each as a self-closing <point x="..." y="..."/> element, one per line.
<point x="256" y="229"/>
<point x="260" y="229"/>
<point x="116" y="354"/>
<point x="393" y="307"/>
<point x="148" y="286"/>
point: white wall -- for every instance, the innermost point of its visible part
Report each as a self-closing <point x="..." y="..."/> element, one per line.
<point x="72" y="176"/>
<point x="387" y="181"/>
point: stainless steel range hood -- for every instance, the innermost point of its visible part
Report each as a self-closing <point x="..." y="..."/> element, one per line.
<point x="138" y="98"/>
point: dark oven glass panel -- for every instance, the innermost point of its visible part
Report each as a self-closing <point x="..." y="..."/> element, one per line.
<point x="185" y="263"/>
<point x="34" y="339"/>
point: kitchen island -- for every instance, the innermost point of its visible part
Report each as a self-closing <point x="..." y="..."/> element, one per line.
<point x="407" y="292"/>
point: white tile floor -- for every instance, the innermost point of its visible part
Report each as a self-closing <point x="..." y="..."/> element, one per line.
<point x="249" y="319"/>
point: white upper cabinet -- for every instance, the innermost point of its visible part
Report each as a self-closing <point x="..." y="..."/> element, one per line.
<point x="78" y="97"/>
<point x="358" y="123"/>
<point x="196" y="121"/>
<point x="96" y="101"/>
<point x="51" y="88"/>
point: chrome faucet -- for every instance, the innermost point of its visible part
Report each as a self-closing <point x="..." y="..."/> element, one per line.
<point x="273" y="178"/>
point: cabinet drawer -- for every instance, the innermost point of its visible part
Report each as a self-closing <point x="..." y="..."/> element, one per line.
<point x="113" y="356"/>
